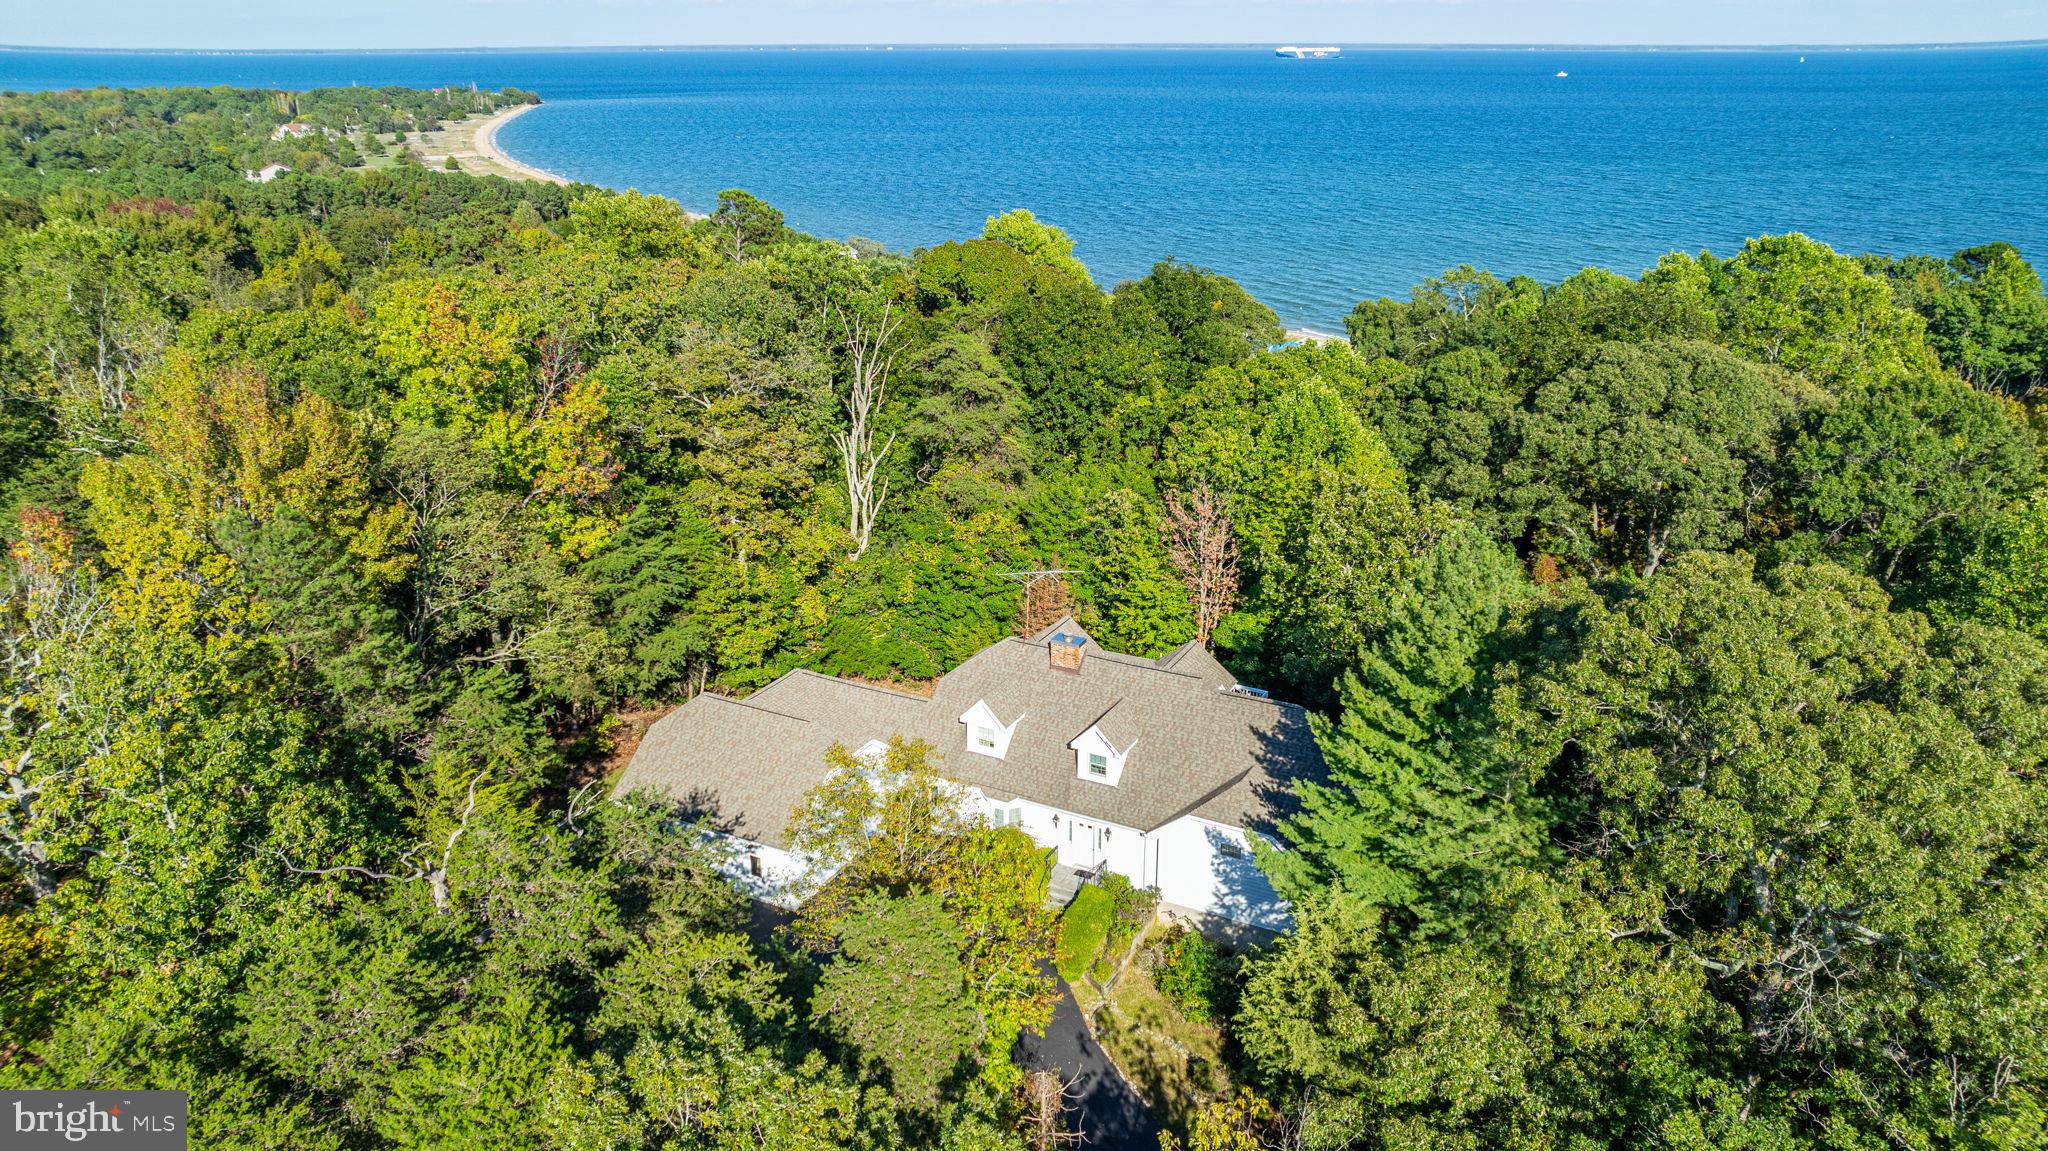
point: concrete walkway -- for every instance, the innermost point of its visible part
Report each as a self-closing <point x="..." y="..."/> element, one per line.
<point x="1062" y="885"/>
<point x="1108" y="1113"/>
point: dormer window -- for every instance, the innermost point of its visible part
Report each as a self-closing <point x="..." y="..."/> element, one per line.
<point x="987" y="734"/>
<point x="1097" y="758"/>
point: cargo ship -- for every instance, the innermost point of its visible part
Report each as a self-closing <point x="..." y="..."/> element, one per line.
<point x="1293" y="53"/>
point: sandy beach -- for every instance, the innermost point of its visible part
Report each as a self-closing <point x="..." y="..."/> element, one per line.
<point x="473" y="145"/>
<point x="486" y="145"/>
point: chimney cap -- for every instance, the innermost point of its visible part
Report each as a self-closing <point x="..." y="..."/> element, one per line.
<point x="1063" y="652"/>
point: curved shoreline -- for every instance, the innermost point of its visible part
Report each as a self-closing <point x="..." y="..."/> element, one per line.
<point x="486" y="143"/>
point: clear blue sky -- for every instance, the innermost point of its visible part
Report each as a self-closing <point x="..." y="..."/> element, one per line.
<point x="481" y="23"/>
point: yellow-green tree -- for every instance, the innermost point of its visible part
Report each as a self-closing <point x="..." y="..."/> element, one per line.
<point x="892" y="825"/>
<point x="1041" y="243"/>
<point x="543" y="422"/>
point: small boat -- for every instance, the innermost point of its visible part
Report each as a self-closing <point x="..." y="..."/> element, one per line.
<point x="1293" y="53"/>
<point x="1563" y="75"/>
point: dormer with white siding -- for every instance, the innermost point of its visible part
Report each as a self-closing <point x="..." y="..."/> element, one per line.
<point x="987" y="734"/>
<point x="1101" y="751"/>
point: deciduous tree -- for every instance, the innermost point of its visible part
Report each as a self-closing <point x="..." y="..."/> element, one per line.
<point x="870" y="354"/>
<point x="1645" y="451"/>
<point x="1136" y="604"/>
<point x="1041" y="243"/>
<point x="1880" y="476"/>
<point x="896" y="992"/>
<point x="1794" y="303"/>
<point x="1203" y="551"/>
<point x="1822" y="808"/>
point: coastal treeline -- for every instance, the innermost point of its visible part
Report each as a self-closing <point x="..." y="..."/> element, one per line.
<point x="188" y="142"/>
<point x="1679" y="645"/>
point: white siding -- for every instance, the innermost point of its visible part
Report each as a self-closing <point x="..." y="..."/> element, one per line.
<point x="781" y="878"/>
<point x="1198" y="866"/>
<point x="1093" y="743"/>
<point x="1208" y="868"/>
<point x="1078" y="842"/>
<point x="982" y="719"/>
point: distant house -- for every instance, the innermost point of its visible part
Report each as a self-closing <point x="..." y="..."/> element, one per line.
<point x="266" y="173"/>
<point x="1158" y="769"/>
<point x="293" y="129"/>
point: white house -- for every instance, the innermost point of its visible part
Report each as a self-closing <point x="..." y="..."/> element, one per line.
<point x="266" y="173"/>
<point x="1159" y="770"/>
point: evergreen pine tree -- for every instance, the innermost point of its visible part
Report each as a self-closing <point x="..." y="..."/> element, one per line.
<point x="1411" y="816"/>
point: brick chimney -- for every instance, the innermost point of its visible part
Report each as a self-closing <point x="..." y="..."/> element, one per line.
<point x="1063" y="652"/>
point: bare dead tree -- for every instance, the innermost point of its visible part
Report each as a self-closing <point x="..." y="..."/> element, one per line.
<point x="50" y="601"/>
<point x="1046" y="1106"/>
<point x="1203" y="550"/>
<point x="557" y="364"/>
<point x="869" y="358"/>
<point x="581" y="803"/>
<point x="91" y="389"/>
<point x="1046" y="599"/>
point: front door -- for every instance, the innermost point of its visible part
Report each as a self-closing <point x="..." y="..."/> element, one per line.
<point x="1081" y="846"/>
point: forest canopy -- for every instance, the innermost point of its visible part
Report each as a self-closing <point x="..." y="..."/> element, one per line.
<point x="1678" y="646"/>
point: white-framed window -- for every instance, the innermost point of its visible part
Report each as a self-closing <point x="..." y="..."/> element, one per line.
<point x="1097" y="760"/>
<point x="987" y="734"/>
<point x="1016" y="816"/>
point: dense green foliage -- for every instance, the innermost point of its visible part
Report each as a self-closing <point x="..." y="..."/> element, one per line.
<point x="1084" y="931"/>
<point x="191" y="142"/>
<point x="1677" y="644"/>
<point x="1724" y="825"/>
<point x="1195" y="974"/>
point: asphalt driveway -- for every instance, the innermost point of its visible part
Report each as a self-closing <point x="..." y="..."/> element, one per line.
<point x="1108" y="1113"/>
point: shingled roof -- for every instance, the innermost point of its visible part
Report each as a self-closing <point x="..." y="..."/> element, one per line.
<point x="1197" y="747"/>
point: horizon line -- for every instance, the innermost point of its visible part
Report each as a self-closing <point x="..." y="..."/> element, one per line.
<point x="963" y="45"/>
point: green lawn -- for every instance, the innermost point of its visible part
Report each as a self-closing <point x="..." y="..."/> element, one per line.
<point x="1083" y="929"/>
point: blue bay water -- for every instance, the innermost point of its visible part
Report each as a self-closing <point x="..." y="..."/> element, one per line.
<point x="1315" y="183"/>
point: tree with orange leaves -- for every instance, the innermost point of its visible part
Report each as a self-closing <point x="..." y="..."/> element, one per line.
<point x="1203" y="551"/>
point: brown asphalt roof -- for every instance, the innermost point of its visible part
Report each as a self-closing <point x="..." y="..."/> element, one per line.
<point x="1196" y="747"/>
<point x="1192" y="658"/>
